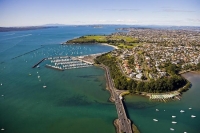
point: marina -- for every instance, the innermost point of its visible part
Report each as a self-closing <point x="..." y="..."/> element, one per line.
<point x="67" y="62"/>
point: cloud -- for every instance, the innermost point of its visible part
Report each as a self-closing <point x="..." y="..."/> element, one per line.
<point x="194" y="20"/>
<point x="176" y="10"/>
<point x="123" y="10"/>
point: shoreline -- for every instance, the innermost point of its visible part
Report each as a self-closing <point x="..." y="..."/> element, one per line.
<point x="106" y="44"/>
<point x="111" y="98"/>
<point x="115" y="122"/>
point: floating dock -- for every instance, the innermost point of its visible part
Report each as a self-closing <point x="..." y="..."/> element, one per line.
<point x="67" y="62"/>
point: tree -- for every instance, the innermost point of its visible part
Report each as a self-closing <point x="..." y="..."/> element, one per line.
<point x="198" y="66"/>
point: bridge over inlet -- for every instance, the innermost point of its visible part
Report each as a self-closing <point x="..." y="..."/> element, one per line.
<point x="123" y="122"/>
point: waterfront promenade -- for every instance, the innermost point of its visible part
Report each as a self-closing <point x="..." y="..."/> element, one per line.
<point x="123" y="122"/>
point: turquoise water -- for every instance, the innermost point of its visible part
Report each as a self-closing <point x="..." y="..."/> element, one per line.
<point x="75" y="100"/>
<point x="142" y="111"/>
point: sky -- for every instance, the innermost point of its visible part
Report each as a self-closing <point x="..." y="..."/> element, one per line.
<point x="83" y="12"/>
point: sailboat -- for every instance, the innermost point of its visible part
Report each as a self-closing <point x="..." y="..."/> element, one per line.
<point x="44" y="86"/>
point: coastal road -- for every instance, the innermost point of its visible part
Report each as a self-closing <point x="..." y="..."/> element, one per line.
<point x="124" y="122"/>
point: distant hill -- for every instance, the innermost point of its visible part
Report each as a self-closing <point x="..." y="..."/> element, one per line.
<point x="54" y="25"/>
<point x="6" y="29"/>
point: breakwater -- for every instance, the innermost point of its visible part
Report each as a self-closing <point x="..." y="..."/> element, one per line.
<point x="38" y="63"/>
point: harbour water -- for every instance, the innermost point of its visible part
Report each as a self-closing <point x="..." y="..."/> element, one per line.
<point x="142" y="111"/>
<point x="74" y="100"/>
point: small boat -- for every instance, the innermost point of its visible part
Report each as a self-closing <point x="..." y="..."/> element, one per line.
<point x="173" y="116"/>
<point x="44" y="86"/>
<point x="182" y="111"/>
<point x="29" y="74"/>
<point x="171" y="129"/>
<point x="157" y="110"/>
<point x="185" y="132"/>
<point x="155" y="120"/>
<point x="2" y="95"/>
<point x="38" y="66"/>
<point x="2" y="129"/>
<point x="1" y="84"/>
<point x="174" y="122"/>
<point x="38" y="76"/>
<point x="193" y="116"/>
<point x="190" y="108"/>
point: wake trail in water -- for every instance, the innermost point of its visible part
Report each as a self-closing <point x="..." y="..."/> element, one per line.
<point x="16" y="37"/>
<point x="11" y="46"/>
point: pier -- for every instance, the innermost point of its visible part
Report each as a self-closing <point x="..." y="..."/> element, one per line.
<point x="38" y="63"/>
<point x="123" y="122"/>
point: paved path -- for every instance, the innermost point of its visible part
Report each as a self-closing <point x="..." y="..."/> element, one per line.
<point x="124" y="122"/>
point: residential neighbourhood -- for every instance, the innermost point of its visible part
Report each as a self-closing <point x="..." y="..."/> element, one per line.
<point x="147" y="61"/>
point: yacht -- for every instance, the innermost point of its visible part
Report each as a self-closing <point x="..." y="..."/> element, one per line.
<point x="155" y="120"/>
<point x="193" y="116"/>
<point x="174" y="122"/>
<point x="44" y="86"/>
<point x="182" y="111"/>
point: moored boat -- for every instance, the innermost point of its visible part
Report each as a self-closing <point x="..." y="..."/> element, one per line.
<point x="155" y="120"/>
<point x="193" y="116"/>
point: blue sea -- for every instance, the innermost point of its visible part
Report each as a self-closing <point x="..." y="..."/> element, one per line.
<point x="75" y="101"/>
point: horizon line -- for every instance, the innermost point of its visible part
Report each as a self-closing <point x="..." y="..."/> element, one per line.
<point x="57" y="25"/>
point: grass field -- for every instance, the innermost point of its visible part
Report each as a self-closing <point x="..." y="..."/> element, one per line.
<point x="116" y="40"/>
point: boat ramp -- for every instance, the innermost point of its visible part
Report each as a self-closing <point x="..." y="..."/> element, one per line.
<point x="165" y="96"/>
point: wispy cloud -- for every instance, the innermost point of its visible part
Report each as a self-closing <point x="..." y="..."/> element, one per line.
<point x="194" y="20"/>
<point x="123" y="10"/>
<point x="176" y="10"/>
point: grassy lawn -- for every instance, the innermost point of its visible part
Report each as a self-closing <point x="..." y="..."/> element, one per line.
<point x="116" y="40"/>
<point x="97" y="38"/>
<point x="125" y="38"/>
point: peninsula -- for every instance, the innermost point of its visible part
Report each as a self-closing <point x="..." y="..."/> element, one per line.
<point x="149" y="61"/>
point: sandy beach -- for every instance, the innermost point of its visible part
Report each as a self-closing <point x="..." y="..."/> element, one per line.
<point x="109" y="45"/>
